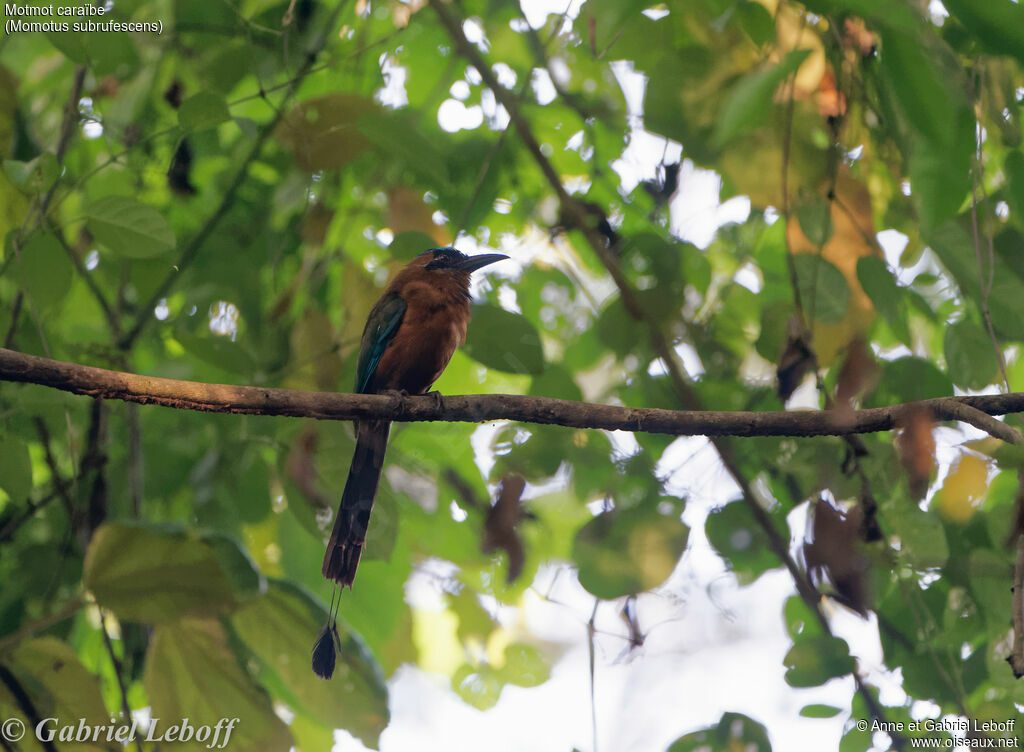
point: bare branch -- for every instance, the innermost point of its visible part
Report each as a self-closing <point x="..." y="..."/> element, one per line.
<point x="1016" y="659"/>
<point x="955" y="409"/>
<point x="100" y="383"/>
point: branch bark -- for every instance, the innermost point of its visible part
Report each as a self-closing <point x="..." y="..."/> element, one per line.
<point x="100" y="383"/>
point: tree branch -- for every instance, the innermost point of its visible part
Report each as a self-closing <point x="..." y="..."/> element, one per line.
<point x="100" y="383"/>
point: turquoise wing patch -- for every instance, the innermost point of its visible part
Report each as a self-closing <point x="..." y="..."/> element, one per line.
<point x="381" y="325"/>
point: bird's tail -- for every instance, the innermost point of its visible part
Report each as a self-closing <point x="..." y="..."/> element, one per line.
<point x="349" y="533"/>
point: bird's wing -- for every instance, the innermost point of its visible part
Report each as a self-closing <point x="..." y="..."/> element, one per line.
<point x="381" y="325"/>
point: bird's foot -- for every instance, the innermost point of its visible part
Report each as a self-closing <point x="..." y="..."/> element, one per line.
<point x="438" y="399"/>
<point x="399" y="393"/>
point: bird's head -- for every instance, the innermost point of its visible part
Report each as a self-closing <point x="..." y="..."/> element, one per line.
<point x="440" y="271"/>
<point x="451" y="260"/>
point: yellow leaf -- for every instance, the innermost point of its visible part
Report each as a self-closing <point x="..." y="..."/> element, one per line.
<point x="435" y="634"/>
<point x="407" y="211"/>
<point x="852" y="238"/>
<point x="964" y="488"/>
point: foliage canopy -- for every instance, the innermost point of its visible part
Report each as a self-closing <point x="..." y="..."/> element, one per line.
<point x="222" y="202"/>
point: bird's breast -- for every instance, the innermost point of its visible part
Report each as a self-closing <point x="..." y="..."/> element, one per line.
<point x="422" y="347"/>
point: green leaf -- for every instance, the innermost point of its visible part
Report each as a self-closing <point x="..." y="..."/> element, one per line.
<point x="45" y="271"/>
<point x="525" y="666"/>
<point x="153" y="574"/>
<point x="820" y="711"/>
<point x="734" y="731"/>
<point x="971" y="360"/>
<point x="921" y="535"/>
<point x="57" y="673"/>
<point x="15" y="468"/>
<point x="910" y="379"/>
<point x="202" y="111"/>
<point x="556" y="382"/>
<point x="218" y="351"/>
<point x="940" y="176"/>
<point x="615" y="328"/>
<point x="800" y="619"/>
<point x="999" y="24"/>
<point x="409" y="244"/>
<point x="736" y="536"/>
<point x="910" y="66"/>
<point x="280" y="629"/>
<point x="876" y="279"/>
<point x="812" y="661"/>
<point x="32" y="177"/>
<point x="192" y="673"/>
<point x="504" y="341"/>
<point x="925" y="83"/>
<point x="130" y="228"/>
<point x="397" y="136"/>
<point x="748" y="102"/>
<point x="104" y="53"/>
<point x="627" y="552"/>
<point x="756" y="21"/>
<point x="823" y="288"/>
<point x="1014" y="168"/>
<point x="815" y="221"/>
<point x="478" y="687"/>
<point x="324" y="132"/>
<point x="775" y="316"/>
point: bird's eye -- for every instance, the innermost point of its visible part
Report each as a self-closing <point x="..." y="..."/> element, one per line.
<point x="444" y="258"/>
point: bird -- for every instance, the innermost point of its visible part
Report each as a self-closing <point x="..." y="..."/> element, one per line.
<point x="410" y="336"/>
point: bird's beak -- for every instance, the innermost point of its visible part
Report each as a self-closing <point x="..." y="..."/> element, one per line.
<point x="473" y="263"/>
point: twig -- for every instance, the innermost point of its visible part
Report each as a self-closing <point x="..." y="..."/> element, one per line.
<point x="14" y="524"/>
<point x="60" y="486"/>
<point x="1016" y="658"/>
<point x="984" y="285"/>
<point x="952" y="409"/>
<point x="24" y="702"/>
<point x="136" y="476"/>
<point x="34" y="627"/>
<point x="67" y="130"/>
<point x="125" y="707"/>
<point x="19" y="298"/>
<point x="591" y="631"/>
<point x="100" y="383"/>
<point x="90" y="281"/>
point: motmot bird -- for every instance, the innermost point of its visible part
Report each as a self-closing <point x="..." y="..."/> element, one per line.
<point x="410" y="335"/>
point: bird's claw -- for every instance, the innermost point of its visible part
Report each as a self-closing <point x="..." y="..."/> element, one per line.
<point x="400" y="394"/>
<point x="438" y="399"/>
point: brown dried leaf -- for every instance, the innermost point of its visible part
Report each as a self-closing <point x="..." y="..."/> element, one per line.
<point x="916" y="446"/>
<point x="859" y="373"/>
<point x="301" y="469"/>
<point x="796" y="360"/>
<point x="500" y="525"/>
<point x="408" y="212"/>
<point x="857" y="37"/>
<point x="835" y="551"/>
<point x="831" y="101"/>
